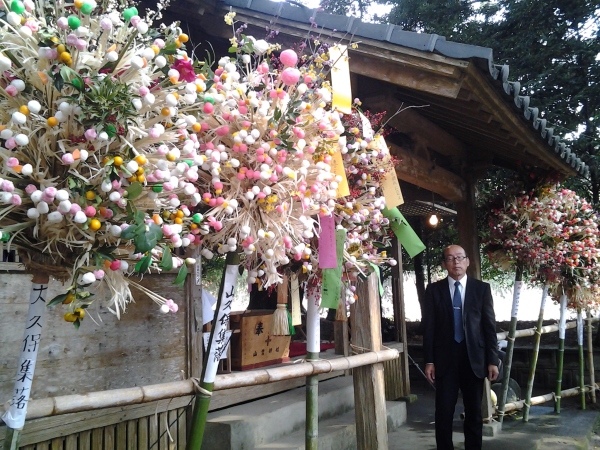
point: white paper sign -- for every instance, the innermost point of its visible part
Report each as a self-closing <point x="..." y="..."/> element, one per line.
<point x="313" y="322"/>
<point x="15" y="416"/>
<point x="563" y="316"/>
<point x="516" y="296"/>
<point x="220" y="340"/>
<point x="206" y="337"/>
<point x="579" y="328"/>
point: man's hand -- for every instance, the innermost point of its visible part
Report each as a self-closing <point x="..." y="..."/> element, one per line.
<point x="492" y="372"/>
<point x="430" y="373"/>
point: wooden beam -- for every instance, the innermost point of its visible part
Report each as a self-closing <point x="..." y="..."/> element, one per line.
<point x="382" y="68"/>
<point x="410" y="122"/>
<point x="425" y="174"/>
<point x="369" y="383"/>
<point x="513" y="121"/>
<point x="193" y="293"/>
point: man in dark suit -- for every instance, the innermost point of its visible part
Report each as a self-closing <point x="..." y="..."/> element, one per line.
<point x="460" y="347"/>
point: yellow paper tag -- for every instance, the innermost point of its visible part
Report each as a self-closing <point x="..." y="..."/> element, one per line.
<point x="389" y="182"/>
<point x="337" y="167"/>
<point x="340" y="79"/>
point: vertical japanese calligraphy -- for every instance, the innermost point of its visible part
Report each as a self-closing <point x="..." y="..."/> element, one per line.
<point x="221" y="336"/>
<point x="14" y="417"/>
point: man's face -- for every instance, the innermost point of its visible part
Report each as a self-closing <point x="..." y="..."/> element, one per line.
<point x="456" y="269"/>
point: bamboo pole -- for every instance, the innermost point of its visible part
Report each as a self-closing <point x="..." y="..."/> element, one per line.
<point x="590" y="353"/>
<point x="514" y="406"/>
<point x="214" y="350"/>
<point x="547" y="329"/>
<point x="581" y="360"/>
<point x="14" y="417"/>
<point x="536" y="352"/>
<point x="511" y="341"/>
<point x="561" y="351"/>
<point x="64" y="404"/>
<point x="313" y="348"/>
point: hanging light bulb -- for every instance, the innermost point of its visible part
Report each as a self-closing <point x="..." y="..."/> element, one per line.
<point x="433" y="220"/>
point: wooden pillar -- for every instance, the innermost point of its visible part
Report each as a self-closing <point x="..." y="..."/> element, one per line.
<point x="369" y="384"/>
<point x="399" y="316"/>
<point x="193" y="293"/>
<point x="467" y="230"/>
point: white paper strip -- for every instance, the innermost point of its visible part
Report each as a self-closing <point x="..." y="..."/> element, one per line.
<point x="516" y="296"/>
<point x="544" y="296"/>
<point x="313" y="321"/>
<point x="15" y="416"/>
<point x="220" y="340"/>
<point x="563" y="316"/>
<point x="295" y="287"/>
<point x="579" y="328"/>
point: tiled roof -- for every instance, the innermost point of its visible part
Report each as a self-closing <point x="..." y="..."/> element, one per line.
<point x="393" y="34"/>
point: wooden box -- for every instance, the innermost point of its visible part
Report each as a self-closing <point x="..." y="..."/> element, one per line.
<point x="252" y="344"/>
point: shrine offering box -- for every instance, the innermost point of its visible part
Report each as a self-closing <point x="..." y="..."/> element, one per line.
<point x="252" y="344"/>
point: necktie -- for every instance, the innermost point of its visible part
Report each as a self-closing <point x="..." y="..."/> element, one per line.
<point x="459" y="332"/>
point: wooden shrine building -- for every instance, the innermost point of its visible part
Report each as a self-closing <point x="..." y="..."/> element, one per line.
<point x="465" y="116"/>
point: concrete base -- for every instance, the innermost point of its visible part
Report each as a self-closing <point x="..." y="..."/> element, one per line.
<point x="492" y="428"/>
<point x="278" y="422"/>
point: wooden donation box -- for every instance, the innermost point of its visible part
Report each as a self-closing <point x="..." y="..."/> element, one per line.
<point x="252" y="344"/>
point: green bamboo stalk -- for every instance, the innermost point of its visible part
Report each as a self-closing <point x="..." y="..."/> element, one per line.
<point x="312" y="407"/>
<point x="535" y="355"/>
<point x="202" y="398"/>
<point x="313" y="346"/>
<point x="581" y="360"/>
<point x="590" y="352"/>
<point x="511" y="342"/>
<point x="561" y="351"/>
<point x="11" y="439"/>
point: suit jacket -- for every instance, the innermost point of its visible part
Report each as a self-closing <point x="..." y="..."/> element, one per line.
<point x="479" y="321"/>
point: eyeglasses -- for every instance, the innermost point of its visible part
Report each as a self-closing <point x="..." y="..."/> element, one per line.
<point x="450" y="259"/>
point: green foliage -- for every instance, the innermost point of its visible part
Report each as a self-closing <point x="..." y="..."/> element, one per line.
<point x="105" y="101"/>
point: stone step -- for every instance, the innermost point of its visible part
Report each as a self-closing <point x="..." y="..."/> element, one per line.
<point x="337" y="433"/>
<point x="248" y="425"/>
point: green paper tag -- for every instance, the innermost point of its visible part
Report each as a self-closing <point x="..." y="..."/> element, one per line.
<point x="404" y="232"/>
<point x="376" y="270"/>
<point x="331" y="285"/>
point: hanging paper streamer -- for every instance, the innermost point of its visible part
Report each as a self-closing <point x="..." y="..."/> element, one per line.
<point x="14" y="417"/>
<point x="337" y="167"/>
<point x="208" y="302"/>
<point x="295" y="287"/>
<point x="220" y="341"/>
<point x="389" y="182"/>
<point x="404" y="232"/>
<point x="327" y="251"/>
<point x="331" y="285"/>
<point x="340" y="79"/>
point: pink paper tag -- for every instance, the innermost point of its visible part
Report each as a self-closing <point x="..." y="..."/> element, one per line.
<point x="327" y="253"/>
